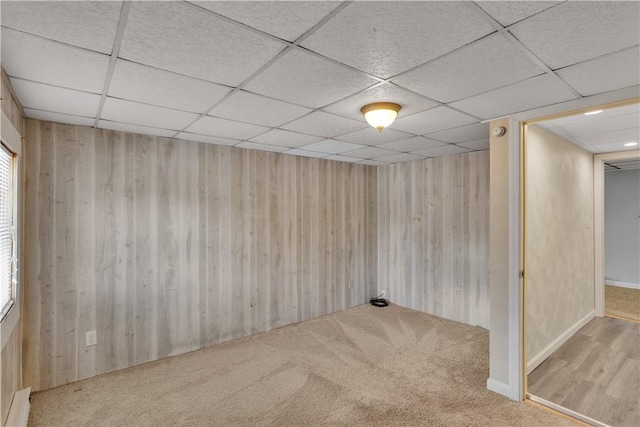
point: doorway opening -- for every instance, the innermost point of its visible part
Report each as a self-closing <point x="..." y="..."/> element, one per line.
<point x="577" y="361"/>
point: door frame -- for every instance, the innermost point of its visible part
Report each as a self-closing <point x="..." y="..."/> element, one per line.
<point x="598" y="219"/>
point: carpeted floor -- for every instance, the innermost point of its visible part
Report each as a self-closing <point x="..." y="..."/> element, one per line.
<point x="622" y="302"/>
<point x="363" y="366"/>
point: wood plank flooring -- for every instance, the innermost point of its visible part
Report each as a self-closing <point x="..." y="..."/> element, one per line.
<point x="595" y="373"/>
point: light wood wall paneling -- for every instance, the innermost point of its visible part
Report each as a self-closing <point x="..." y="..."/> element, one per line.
<point x="165" y="246"/>
<point x="10" y="104"/>
<point x="433" y="235"/>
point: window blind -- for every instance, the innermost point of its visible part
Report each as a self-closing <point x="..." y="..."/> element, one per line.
<point x="6" y="229"/>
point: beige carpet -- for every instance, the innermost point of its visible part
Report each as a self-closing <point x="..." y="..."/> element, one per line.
<point x="364" y="366"/>
<point x="622" y="302"/>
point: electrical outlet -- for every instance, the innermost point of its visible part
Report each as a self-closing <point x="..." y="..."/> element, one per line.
<point x="457" y="294"/>
<point x="91" y="338"/>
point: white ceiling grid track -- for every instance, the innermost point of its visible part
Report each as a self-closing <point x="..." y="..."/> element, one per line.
<point x="291" y="76"/>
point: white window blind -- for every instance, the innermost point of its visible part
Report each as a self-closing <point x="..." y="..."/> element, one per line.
<point x="6" y="230"/>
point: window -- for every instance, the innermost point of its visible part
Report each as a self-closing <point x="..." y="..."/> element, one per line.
<point x="7" y="240"/>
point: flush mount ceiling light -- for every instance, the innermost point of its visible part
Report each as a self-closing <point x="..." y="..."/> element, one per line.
<point x="630" y="144"/>
<point x="380" y="114"/>
<point x="590" y="113"/>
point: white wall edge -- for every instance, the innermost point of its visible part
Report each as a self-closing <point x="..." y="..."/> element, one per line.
<point x="500" y="388"/>
<point x="515" y="330"/>
<point x="555" y="344"/>
<point x="622" y="284"/>
<point x="19" y="410"/>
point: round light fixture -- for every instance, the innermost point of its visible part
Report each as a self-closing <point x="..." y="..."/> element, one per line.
<point x="591" y="113"/>
<point x="380" y="114"/>
<point x="630" y="144"/>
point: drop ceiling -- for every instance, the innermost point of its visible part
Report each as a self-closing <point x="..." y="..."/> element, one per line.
<point x="604" y="132"/>
<point x="291" y="76"/>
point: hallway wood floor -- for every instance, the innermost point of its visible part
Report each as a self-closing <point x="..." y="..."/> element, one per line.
<point x="595" y="373"/>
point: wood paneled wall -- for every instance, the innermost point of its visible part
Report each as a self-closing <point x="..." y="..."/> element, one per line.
<point x="10" y="366"/>
<point x="9" y="103"/>
<point x="10" y="373"/>
<point x="434" y="235"/>
<point x="167" y="246"/>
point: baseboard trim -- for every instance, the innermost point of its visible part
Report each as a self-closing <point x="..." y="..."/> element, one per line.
<point x="19" y="410"/>
<point x="546" y="352"/>
<point x="622" y="284"/>
<point x="566" y="411"/>
<point x="499" y="387"/>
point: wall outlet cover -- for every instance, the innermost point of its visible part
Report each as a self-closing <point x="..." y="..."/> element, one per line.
<point x="91" y="338"/>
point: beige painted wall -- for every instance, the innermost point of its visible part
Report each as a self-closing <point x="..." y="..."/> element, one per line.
<point x="165" y="247"/>
<point x="559" y="239"/>
<point x="433" y="233"/>
<point x="10" y="367"/>
<point x="499" y="254"/>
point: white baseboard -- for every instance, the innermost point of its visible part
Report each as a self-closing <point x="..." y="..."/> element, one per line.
<point x="19" y="410"/>
<point x="622" y="284"/>
<point x="535" y="361"/>
<point x="499" y="387"/>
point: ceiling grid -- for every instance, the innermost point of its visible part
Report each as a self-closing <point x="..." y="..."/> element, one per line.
<point x="291" y="76"/>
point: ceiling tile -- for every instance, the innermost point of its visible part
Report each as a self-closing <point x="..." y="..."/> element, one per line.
<point x="371" y="136"/>
<point x="339" y="158"/>
<point x="482" y="144"/>
<point x="575" y="31"/>
<point x="485" y="65"/>
<point x="304" y="153"/>
<point x="149" y="85"/>
<point x="581" y="119"/>
<point x="142" y="130"/>
<point x="532" y="93"/>
<point x="180" y="37"/>
<point x="372" y="163"/>
<point x="285" y="138"/>
<point x="223" y="128"/>
<point x="120" y="110"/>
<point x="445" y="150"/>
<point x="602" y="124"/>
<point x="410" y="102"/>
<point x="373" y="36"/>
<point x="509" y="12"/>
<point x="462" y="134"/>
<point x="261" y="147"/>
<point x="611" y="137"/>
<point x="433" y="120"/>
<point x="370" y="153"/>
<point x="285" y="19"/>
<point x="324" y="124"/>
<point x="251" y="108"/>
<point x="332" y="146"/>
<point x="306" y="79"/>
<point x="58" y="118"/>
<point x="399" y="158"/>
<point x="207" y="139"/>
<point x="41" y="60"/>
<point x="611" y="72"/>
<point x="50" y="98"/>
<point x="412" y="144"/>
<point x="602" y="147"/>
<point x="88" y="24"/>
